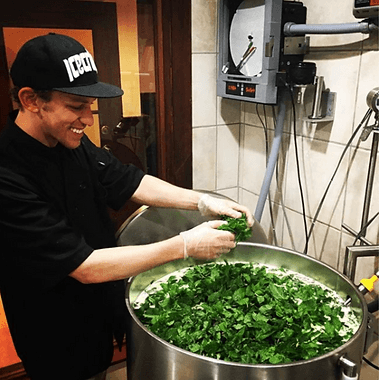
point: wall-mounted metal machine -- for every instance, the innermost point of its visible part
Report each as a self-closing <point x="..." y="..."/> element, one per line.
<point x="253" y="53"/>
<point x="262" y="44"/>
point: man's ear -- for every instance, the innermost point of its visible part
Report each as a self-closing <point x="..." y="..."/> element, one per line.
<point x="28" y="99"/>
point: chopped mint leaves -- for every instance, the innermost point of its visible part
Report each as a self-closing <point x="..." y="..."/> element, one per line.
<point x="238" y="226"/>
<point x="243" y="313"/>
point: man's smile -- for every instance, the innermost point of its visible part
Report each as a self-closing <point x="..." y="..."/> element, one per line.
<point x="77" y="130"/>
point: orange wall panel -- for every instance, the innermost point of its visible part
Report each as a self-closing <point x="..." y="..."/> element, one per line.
<point x="8" y="355"/>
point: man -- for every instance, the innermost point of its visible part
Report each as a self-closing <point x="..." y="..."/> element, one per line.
<point x="61" y="276"/>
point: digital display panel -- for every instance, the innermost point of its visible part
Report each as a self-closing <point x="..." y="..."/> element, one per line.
<point x="242" y="89"/>
<point x="233" y="88"/>
<point x="366" y="8"/>
<point x="249" y="90"/>
<point x="366" y="3"/>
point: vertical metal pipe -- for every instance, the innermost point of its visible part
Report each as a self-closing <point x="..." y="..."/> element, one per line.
<point x="370" y="179"/>
<point x="273" y="155"/>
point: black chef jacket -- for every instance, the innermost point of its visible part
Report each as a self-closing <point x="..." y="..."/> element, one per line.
<point x="53" y="214"/>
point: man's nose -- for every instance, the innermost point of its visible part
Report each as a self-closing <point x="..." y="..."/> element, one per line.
<point x="87" y="117"/>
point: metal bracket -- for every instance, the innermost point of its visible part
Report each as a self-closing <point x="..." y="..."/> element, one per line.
<point x="324" y="104"/>
<point x="352" y="255"/>
<point x="349" y="369"/>
<point x="296" y="45"/>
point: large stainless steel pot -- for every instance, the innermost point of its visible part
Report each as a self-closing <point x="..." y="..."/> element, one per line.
<point x="150" y="357"/>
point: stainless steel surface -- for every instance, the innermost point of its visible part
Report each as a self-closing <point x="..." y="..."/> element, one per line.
<point x="316" y="111"/>
<point x="349" y="368"/>
<point x="105" y="130"/>
<point x="149" y="224"/>
<point x="296" y="45"/>
<point x="351" y="257"/>
<point x="370" y="181"/>
<point x="150" y="357"/>
<point x="373" y="99"/>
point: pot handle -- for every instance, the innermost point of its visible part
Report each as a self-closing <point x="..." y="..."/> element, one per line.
<point x="349" y="369"/>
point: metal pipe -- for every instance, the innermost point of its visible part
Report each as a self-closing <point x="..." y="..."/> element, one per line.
<point x="292" y="29"/>
<point x="316" y="113"/>
<point x="370" y="180"/>
<point x="272" y="160"/>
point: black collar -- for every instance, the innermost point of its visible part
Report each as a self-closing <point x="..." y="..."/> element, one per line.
<point x="13" y="133"/>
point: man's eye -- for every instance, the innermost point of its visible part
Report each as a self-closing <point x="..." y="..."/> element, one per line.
<point x="77" y="108"/>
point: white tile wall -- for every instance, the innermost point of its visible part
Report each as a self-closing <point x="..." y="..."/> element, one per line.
<point x="229" y="139"/>
<point x="318" y="161"/>
<point x="340" y="71"/>
<point x="356" y="185"/>
<point x="228" y="111"/>
<point x="368" y="79"/>
<point x="204" y="158"/>
<point x="204" y="26"/>
<point x="253" y="159"/>
<point x="227" y="156"/>
<point x="204" y="89"/>
<point x="331" y="12"/>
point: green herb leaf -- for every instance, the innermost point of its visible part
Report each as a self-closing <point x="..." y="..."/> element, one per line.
<point x="238" y="226"/>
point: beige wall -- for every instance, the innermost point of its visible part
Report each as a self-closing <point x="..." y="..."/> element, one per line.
<point x="229" y="145"/>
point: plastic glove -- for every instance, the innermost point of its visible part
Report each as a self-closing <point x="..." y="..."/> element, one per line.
<point x="212" y="206"/>
<point x="206" y="242"/>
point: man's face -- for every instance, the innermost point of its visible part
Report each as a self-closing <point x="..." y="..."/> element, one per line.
<point x="64" y="119"/>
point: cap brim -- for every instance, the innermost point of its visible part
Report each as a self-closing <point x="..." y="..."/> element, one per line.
<point x="97" y="90"/>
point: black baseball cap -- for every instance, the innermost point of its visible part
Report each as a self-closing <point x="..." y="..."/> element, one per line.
<point x="59" y="62"/>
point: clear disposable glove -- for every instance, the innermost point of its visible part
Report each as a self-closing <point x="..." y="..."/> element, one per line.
<point x="213" y="206"/>
<point x="205" y="241"/>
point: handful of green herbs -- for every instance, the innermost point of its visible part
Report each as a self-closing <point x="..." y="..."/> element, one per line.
<point x="243" y="313"/>
<point x="238" y="226"/>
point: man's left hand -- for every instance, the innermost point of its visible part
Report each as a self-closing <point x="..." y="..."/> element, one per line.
<point x="213" y="206"/>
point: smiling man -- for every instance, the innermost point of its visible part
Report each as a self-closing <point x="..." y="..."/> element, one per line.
<point x="62" y="120"/>
<point x="61" y="274"/>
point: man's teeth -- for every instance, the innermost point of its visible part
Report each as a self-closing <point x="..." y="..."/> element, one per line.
<point x="76" y="130"/>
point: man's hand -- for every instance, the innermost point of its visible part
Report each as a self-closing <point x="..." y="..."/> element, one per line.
<point x="205" y="241"/>
<point x="212" y="206"/>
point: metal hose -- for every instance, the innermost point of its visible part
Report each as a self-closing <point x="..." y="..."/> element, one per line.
<point x="272" y="156"/>
<point x="292" y="29"/>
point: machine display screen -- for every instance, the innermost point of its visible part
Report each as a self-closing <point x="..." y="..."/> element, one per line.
<point x="366" y="3"/>
<point x="366" y="8"/>
<point x="242" y="89"/>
